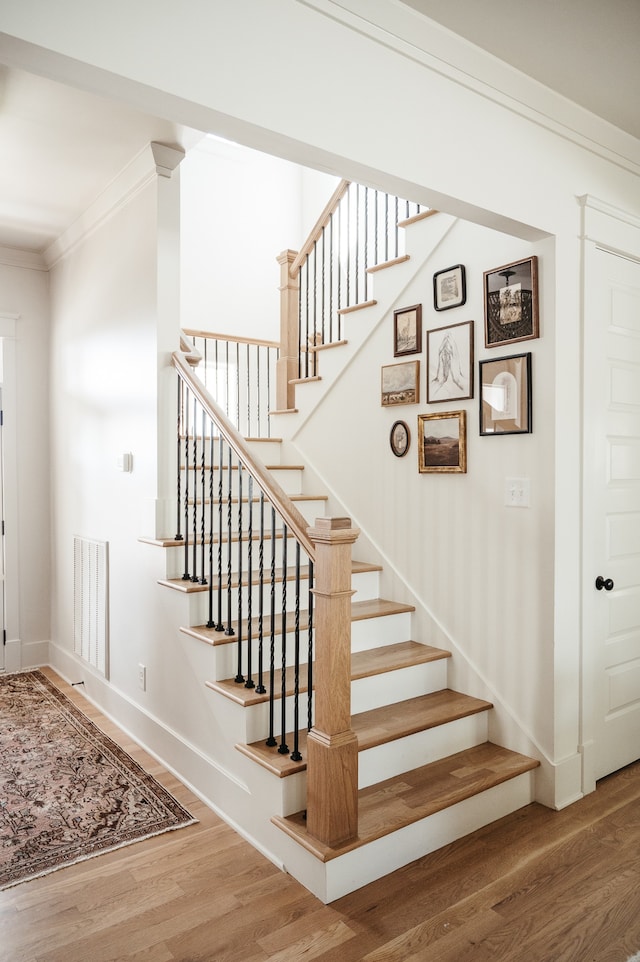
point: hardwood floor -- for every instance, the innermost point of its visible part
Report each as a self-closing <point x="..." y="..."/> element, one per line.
<point x="539" y="886"/>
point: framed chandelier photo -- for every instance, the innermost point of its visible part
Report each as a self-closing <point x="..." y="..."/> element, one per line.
<point x="511" y="303"/>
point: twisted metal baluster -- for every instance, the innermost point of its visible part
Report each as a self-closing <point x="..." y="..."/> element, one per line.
<point x="229" y="629"/>
<point x="295" y="754"/>
<point x="211" y="623"/>
<point x="220" y="625"/>
<point x="186" y="576"/>
<point x="260" y="689"/>
<point x="194" y="576"/>
<point x="178" y="536"/>
<point x="310" y="651"/>
<point x="250" y="683"/>
<point x="283" y="748"/>
<point x="239" y="676"/>
<point x="202" y="580"/>
<point x="272" y="639"/>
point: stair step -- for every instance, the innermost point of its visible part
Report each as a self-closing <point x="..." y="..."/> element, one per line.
<point x="378" y="726"/>
<point x="360" y="610"/>
<point x="356" y="307"/>
<point x="364" y="664"/>
<point x="391" y="805"/>
<point x="392" y="263"/>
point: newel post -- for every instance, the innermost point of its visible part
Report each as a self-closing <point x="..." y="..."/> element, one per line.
<point x="287" y="364"/>
<point x="332" y="747"/>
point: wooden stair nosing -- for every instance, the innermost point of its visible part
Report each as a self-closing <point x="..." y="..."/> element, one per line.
<point x="390" y="805"/>
<point x="379" y="726"/>
<point x="356" y="307"/>
<point x="186" y="586"/>
<point x="360" y="610"/>
<point x="391" y="263"/>
<point x="364" y="664"/>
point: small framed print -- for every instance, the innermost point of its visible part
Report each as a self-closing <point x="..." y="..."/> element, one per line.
<point x="400" y="383"/>
<point x="505" y="398"/>
<point x="449" y="288"/>
<point x="407" y="330"/>
<point x="399" y="438"/>
<point x="450" y="363"/>
<point x="442" y="443"/>
<point x="511" y="303"/>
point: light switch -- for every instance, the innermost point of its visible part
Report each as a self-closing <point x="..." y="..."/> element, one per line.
<point x="517" y="492"/>
<point x="125" y="462"/>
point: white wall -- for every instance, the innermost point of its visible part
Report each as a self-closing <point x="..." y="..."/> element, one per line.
<point x="240" y="209"/>
<point x="481" y="573"/>
<point x="24" y="295"/>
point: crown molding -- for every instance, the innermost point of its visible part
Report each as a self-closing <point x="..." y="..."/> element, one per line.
<point x="154" y="160"/>
<point x="28" y="260"/>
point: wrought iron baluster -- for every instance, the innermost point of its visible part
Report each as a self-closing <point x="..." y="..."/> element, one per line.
<point x="229" y="629"/>
<point x="323" y="287"/>
<point x="212" y="457"/>
<point x="366" y="243"/>
<point x="202" y="579"/>
<point x="283" y="748"/>
<point x="295" y="754"/>
<point x="271" y="740"/>
<point x="220" y="624"/>
<point x="331" y="258"/>
<point x="259" y="389"/>
<point x="357" y="244"/>
<point x="178" y="536"/>
<point x="307" y="314"/>
<point x="248" y="382"/>
<point x="239" y="676"/>
<point x="260" y="688"/>
<point x="396" y="229"/>
<point x="376" y="228"/>
<point x="310" y="650"/>
<point x="249" y="683"/>
<point x="186" y="576"/>
<point x="194" y="518"/>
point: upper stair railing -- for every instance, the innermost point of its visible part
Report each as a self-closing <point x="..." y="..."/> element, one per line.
<point x="269" y="578"/>
<point x="359" y="231"/>
<point x="240" y="374"/>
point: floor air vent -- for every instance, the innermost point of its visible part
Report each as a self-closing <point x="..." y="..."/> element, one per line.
<point x="90" y="609"/>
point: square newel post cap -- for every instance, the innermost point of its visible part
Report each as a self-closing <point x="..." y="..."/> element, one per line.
<point x="333" y="530"/>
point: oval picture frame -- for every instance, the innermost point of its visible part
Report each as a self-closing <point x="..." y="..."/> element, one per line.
<point x="400" y="438"/>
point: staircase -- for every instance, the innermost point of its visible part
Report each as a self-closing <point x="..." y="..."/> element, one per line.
<point x="427" y="772"/>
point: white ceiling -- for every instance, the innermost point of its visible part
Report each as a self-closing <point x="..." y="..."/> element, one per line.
<point x="60" y="147"/>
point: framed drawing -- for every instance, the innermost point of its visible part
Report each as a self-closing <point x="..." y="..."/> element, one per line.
<point x="399" y="438"/>
<point x="400" y="383"/>
<point x="450" y="363"/>
<point x="449" y="288"/>
<point x="511" y="303"/>
<point x="442" y="443"/>
<point x="407" y="330"/>
<point x="505" y="399"/>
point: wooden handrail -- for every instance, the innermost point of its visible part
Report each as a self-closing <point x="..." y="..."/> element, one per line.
<point x="275" y="493"/>
<point x="322" y="221"/>
<point x="230" y="337"/>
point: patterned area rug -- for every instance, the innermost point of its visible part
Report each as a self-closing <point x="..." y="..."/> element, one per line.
<point x="67" y="791"/>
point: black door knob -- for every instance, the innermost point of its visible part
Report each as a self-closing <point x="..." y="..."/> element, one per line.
<point x="605" y="583"/>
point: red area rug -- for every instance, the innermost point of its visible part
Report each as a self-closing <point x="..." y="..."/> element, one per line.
<point x="67" y="791"/>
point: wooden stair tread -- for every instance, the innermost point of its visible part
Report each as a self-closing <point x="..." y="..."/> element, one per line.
<point x="390" y="805"/>
<point x="188" y="587"/>
<point x="356" y="307"/>
<point x="391" y="263"/>
<point x="364" y="664"/>
<point x="360" y="610"/>
<point x="377" y="726"/>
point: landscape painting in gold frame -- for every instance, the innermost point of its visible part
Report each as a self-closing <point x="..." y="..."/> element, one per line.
<point x="442" y="443"/>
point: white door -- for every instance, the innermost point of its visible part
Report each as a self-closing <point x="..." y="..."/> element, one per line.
<point x="612" y="509"/>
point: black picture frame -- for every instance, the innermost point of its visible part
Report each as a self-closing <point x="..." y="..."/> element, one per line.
<point x="511" y="311"/>
<point x="449" y="288"/>
<point x="506" y="395"/>
<point x="407" y="330"/>
<point x="400" y="438"/>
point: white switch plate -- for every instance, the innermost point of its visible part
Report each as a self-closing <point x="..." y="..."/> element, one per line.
<point x="142" y="677"/>
<point x="517" y="492"/>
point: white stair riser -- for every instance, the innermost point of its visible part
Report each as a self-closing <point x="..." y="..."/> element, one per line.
<point x="176" y="558"/>
<point x="257" y="719"/>
<point x="391" y="852"/>
<point x="389" y="687"/>
<point x="289" y="478"/>
<point x="226" y="656"/>
<point x="266" y="450"/>
<point x="403" y="754"/>
<point x="377" y="632"/>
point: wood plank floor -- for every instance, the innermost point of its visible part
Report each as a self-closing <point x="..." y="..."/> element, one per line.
<point x="539" y="886"/>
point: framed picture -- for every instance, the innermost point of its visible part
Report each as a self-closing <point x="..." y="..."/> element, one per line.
<point x="400" y="383"/>
<point x="442" y="443"/>
<point x="449" y="288"/>
<point x="505" y="399"/>
<point x="511" y="303"/>
<point x="407" y="330"/>
<point x="450" y="363"/>
<point x="400" y="439"/>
